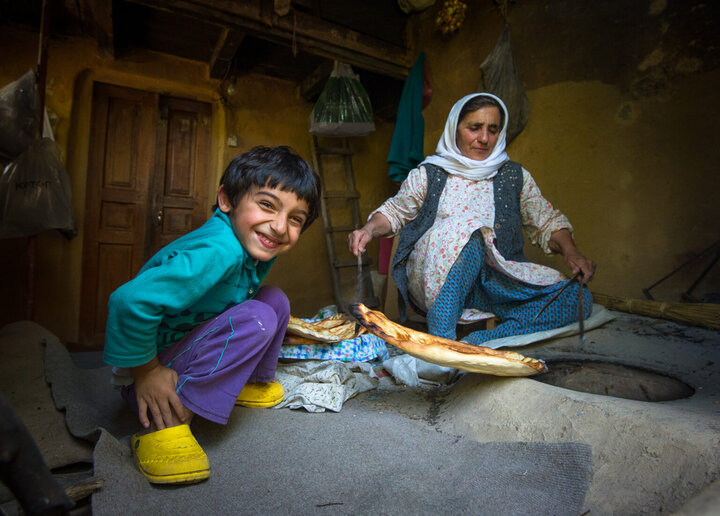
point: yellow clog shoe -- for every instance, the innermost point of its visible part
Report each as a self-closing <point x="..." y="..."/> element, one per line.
<point x="261" y="394"/>
<point x="170" y="456"/>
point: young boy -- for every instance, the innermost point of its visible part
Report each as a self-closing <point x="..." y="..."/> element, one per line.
<point x="194" y="329"/>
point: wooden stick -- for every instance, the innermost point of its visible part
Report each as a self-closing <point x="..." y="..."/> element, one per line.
<point x="696" y="314"/>
<point x="84" y="489"/>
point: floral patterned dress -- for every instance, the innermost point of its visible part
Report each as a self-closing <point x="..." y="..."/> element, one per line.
<point x="466" y="206"/>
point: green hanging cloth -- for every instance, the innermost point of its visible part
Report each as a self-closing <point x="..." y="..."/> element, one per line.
<point x="406" y="149"/>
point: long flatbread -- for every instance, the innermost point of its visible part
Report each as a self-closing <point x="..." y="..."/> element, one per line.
<point x="333" y="329"/>
<point x="450" y="353"/>
<point x="296" y="340"/>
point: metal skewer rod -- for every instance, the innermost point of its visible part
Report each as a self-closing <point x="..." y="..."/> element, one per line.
<point x="359" y="278"/>
<point x="555" y="296"/>
<point x="581" y="312"/>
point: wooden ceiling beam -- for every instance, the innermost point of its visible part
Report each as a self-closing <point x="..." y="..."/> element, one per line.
<point x="227" y="44"/>
<point x="97" y="21"/>
<point x="298" y="29"/>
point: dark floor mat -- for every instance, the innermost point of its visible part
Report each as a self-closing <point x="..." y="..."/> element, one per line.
<point x="357" y="461"/>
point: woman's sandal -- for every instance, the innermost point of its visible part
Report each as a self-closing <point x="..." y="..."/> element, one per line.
<point x="170" y="456"/>
<point x="261" y="394"/>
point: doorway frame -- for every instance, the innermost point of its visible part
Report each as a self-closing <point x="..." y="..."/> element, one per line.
<point x="77" y="166"/>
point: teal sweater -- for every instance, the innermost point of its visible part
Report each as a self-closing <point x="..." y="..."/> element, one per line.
<point x="191" y="280"/>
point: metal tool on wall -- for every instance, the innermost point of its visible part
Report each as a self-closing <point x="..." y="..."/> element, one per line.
<point x="687" y="295"/>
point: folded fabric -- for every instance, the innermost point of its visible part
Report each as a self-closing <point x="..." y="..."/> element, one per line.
<point x="365" y="348"/>
<point x="320" y="386"/>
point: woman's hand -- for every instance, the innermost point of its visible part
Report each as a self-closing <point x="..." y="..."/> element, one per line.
<point x="358" y="240"/>
<point x="378" y="225"/>
<point x="155" y="391"/>
<point x="578" y="263"/>
<point x="561" y="242"/>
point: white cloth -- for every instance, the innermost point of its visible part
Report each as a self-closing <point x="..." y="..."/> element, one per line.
<point x="415" y="372"/>
<point x="318" y="386"/>
<point x="448" y="156"/>
<point x="599" y="316"/>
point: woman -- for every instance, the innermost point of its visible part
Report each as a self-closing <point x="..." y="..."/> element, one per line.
<point x="462" y="213"/>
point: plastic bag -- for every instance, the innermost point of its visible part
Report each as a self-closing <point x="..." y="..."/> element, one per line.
<point x="35" y="193"/>
<point x="500" y="77"/>
<point x="19" y="120"/>
<point x="343" y="108"/>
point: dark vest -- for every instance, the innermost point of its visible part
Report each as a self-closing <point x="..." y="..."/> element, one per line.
<point x="507" y="186"/>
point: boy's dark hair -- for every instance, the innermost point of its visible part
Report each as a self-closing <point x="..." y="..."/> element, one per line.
<point x="273" y="167"/>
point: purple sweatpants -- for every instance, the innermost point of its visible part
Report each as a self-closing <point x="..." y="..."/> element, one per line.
<point x="216" y="359"/>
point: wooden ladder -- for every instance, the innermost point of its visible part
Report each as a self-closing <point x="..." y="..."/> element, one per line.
<point x="340" y="211"/>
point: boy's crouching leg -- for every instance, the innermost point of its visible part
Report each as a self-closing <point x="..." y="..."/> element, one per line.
<point x="216" y="360"/>
<point x="261" y="391"/>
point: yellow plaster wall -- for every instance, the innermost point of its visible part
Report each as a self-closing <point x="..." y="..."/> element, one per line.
<point x="634" y="173"/>
<point x="635" y="182"/>
<point x="263" y="111"/>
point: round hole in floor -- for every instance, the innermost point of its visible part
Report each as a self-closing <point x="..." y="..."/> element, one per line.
<point x="609" y="379"/>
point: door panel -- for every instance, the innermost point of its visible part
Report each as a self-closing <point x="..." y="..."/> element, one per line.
<point x="122" y="140"/>
<point x="181" y="172"/>
<point x="114" y="261"/>
<point x="146" y="186"/>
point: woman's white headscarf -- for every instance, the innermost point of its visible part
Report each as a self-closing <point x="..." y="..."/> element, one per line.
<point x="448" y="156"/>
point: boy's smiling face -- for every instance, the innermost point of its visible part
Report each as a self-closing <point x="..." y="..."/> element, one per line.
<point x="266" y="221"/>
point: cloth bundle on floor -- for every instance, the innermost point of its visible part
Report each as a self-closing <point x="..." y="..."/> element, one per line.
<point x="318" y="386"/>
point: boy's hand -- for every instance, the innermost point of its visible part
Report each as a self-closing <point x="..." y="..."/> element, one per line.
<point x="155" y="390"/>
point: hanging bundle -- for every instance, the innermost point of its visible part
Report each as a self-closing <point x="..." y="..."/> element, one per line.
<point x="343" y="108"/>
<point x="35" y="193"/>
<point x="450" y="16"/>
<point x="19" y="120"/>
<point x="500" y="77"/>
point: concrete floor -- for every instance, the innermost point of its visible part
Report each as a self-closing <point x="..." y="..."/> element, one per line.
<point x="648" y="457"/>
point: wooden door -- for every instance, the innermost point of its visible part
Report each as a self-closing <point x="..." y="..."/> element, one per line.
<point x="146" y="186"/>
<point x="180" y="183"/>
